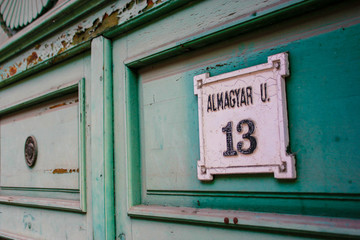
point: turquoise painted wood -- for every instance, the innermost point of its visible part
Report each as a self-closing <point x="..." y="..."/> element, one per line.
<point x="170" y="127"/>
<point x="54" y="113"/>
<point x="58" y="117"/>
<point x="102" y="140"/>
<point x="108" y="92"/>
<point x="157" y="135"/>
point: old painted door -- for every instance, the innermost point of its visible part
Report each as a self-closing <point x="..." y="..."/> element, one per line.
<point x="43" y="164"/>
<point x="156" y="122"/>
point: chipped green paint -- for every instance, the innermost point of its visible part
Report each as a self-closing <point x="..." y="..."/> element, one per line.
<point x="62" y="45"/>
<point x="141" y="121"/>
<point x="99" y="26"/>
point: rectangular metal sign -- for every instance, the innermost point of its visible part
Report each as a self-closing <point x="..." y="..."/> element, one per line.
<point x="243" y="125"/>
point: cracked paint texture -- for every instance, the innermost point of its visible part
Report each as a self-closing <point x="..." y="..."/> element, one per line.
<point x="55" y="47"/>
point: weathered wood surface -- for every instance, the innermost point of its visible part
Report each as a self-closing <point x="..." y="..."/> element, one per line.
<point x="50" y="106"/>
<point x="141" y="121"/>
<point x="167" y="130"/>
<point x="101" y="107"/>
<point x="54" y="125"/>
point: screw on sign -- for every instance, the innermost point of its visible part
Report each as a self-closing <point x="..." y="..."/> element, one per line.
<point x="30" y="151"/>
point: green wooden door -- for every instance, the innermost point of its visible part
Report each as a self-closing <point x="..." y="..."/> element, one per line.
<point x="156" y="122"/>
<point x="109" y="96"/>
<point x="43" y="182"/>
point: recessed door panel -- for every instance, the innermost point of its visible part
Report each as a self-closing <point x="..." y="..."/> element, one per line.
<point x="54" y="125"/>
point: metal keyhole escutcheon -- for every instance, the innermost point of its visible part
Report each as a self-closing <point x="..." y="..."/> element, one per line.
<point x="30" y="151"/>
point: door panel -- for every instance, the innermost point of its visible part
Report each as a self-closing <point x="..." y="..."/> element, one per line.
<point x="169" y="131"/>
<point x="54" y="125"/>
<point x="157" y="128"/>
<point x="48" y="199"/>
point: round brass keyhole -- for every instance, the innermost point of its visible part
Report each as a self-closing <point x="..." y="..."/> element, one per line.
<point x="30" y="151"/>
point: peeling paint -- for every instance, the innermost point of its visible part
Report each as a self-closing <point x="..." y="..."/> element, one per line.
<point x="64" y="43"/>
<point x="63" y="104"/>
<point x="30" y="59"/>
<point x="109" y="20"/>
<point x="98" y="27"/>
<point x="57" y="105"/>
<point x="12" y="70"/>
<point x="59" y="171"/>
<point x="82" y="31"/>
<point x="217" y="65"/>
<point x="63" y="170"/>
<point x="150" y="4"/>
<point x="129" y="5"/>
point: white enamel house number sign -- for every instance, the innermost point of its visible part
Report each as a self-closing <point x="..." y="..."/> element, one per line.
<point x="243" y="125"/>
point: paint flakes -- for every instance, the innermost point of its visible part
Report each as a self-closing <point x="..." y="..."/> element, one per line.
<point x="81" y="32"/>
<point x="150" y="4"/>
<point x="57" y="105"/>
<point x="129" y="5"/>
<point x="63" y="170"/>
<point x="97" y="27"/>
<point x="59" y="171"/>
<point x="64" y="43"/>
<point x="32" y="58"/>
<point x="12" y="70"/>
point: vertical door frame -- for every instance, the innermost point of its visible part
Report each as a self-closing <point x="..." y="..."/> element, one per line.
<point x="101" y="135"/>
